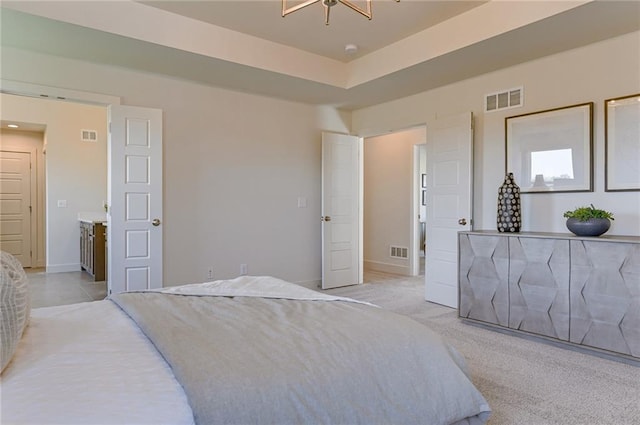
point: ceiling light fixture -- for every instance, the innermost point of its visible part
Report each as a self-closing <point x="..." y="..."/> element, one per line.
<point x="328" y="4"/>
<point x="12" y="125"/>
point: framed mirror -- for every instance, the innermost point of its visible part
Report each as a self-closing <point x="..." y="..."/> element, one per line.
<point x="551" y="150"/>
<point x="622" y="143"/>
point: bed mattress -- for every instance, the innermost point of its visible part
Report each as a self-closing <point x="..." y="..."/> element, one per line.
<point x="248" y="350"/>
<point x="89" y="364"/>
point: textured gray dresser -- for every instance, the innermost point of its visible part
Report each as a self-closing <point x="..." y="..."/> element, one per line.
<point x="584" y="291"/>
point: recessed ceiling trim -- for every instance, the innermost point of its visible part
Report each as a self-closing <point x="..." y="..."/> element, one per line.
<point x="194" y="36"/>
<point x="469" y="28"/>
<point x="190" y="35"/>
<point x="28" y="36"/>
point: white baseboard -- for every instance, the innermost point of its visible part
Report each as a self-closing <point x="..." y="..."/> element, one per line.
<point x="311" y="284"/>
<point x="63" y="268"/>
<point x="379" y="266"/>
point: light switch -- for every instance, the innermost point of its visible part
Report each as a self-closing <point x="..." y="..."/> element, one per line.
<point x="302" y="202"/>
<point x="62" y="203"/>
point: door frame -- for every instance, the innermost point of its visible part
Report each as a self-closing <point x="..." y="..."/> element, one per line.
<point x="35" y="213"/>
<point x="39" y="91"/>
<point x="414" y="227"/>
<point x="414" y="263"/>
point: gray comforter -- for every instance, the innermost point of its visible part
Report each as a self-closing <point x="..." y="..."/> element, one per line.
<point x="254" y="360"/>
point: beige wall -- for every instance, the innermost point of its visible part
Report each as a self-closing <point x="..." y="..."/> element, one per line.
<point x="76" y="171"/>
<point x="388" y="186"/>
<point x="590" y="74"/>
<point x="234" y="167"/>
<point x="32" y="142"/>
<point x="236" y="163"/>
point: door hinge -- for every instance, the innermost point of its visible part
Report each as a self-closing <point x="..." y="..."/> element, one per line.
<point x="30" y="209"/>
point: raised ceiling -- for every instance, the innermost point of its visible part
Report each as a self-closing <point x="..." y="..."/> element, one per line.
<point x="305" y="29"/>
<point x="407" y="47"/>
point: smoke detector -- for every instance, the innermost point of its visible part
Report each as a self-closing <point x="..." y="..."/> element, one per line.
<point x="350" y="49"/>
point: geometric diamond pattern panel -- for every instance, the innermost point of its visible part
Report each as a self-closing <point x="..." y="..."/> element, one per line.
<point x="483" y="271"/>
<point x="539" y="286"/>
<point x="584" y="291"/>
<point x="605" y="295"/>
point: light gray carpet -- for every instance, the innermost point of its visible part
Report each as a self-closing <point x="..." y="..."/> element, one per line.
<point x="525" y="382"/>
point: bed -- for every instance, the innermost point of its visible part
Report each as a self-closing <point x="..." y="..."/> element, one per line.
<point x="251" y="350"/>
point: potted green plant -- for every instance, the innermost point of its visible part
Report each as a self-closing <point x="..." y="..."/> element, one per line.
<point x="588" y="221"/>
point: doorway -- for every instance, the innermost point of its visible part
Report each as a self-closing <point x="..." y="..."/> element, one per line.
<point x="75" y="171"/>
<point x="22" y="197"/>
<point x="391" y="202"/>
<point x="76" y="155"/>
<point x="420" y="230"/>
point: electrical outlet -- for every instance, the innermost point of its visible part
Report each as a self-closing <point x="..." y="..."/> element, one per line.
<point x="210" y="273"/>
<point x="243" y="269"/>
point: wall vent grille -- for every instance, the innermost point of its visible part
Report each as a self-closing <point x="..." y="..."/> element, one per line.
<point x="89" y="135"/>
<point x="398" y="252"/>
<point x="506" y="99"/>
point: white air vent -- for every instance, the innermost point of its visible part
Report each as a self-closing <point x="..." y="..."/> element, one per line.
<point x="89" y="135"/>
<point x="506" y="99"/>
<point x="398" y="252"/>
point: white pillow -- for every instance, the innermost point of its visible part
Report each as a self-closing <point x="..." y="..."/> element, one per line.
<point x="15" y="306"/>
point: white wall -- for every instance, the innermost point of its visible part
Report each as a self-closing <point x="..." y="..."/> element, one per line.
<point x="593" y="73"/>
<point x="32" y="142"/>
<point x="76" y="171"/>
<point x="234" y="167"/>
<point x="388" y="185"/>
<point x="236" y="163"/>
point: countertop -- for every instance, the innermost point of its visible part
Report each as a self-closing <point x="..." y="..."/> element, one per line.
<point x="93" y="217"/>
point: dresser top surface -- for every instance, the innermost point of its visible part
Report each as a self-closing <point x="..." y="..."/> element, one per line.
<point x="549" y="235"/>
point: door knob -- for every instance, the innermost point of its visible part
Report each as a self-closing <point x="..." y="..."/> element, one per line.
<point x="325" y="218"/>
<point x="462" y="222"/>
<point x="155" y="222"/>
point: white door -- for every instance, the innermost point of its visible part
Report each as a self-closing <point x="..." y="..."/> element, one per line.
<point x="341" y="195"/>
<point x="15" y="205"/>
<point x="449" y="207"/>
<point x="134" y="232"/>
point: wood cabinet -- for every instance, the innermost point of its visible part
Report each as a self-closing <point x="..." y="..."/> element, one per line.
<point x="584" y="291"/>
<point x="93" y="249"/>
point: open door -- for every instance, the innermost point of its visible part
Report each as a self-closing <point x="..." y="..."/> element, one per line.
<point x="134" y="193"/>
<point x="449" y="203"/>
<point x="17" y="181"/>
<point x="341" y="215"/>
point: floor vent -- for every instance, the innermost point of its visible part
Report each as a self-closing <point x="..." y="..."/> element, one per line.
<point x="512" y="98"/>
<point x="398" y="252"/>
<point x="89" y="135"/>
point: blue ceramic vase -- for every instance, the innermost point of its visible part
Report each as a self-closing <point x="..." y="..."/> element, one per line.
<point x="591" y="227"/>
